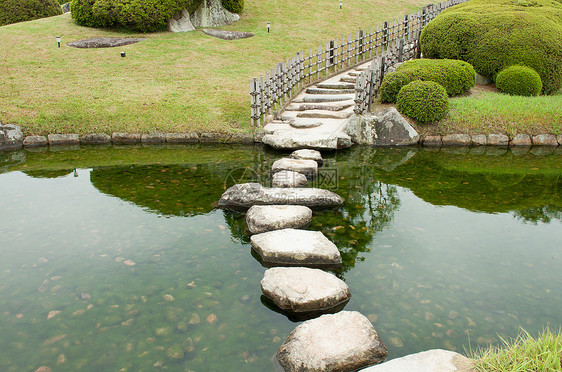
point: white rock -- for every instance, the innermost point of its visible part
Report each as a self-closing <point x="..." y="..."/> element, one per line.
<point x="307" y="167"/>
<point x="345" y="341"/>
<point x="308" y="154"/>
<point x="181" y="22"/>
<point x="428" y="361"/>
<point x="386" y="128"/>
<point x="296" y="247"/>
<point x="263" y="218"/>
<point x="288" y="179"/>
<point x="211" y="14"/>
<point x="300" y="289"/>
<point x="248" y="194"/>
<point x="283" y="139"/>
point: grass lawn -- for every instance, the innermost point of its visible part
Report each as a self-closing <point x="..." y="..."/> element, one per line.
<point x="179" y="82"/>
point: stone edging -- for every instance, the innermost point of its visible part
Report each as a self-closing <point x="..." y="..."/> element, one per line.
<point x="492" y="140"/>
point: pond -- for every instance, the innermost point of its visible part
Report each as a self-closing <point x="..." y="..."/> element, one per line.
<point x="115" y="259"/>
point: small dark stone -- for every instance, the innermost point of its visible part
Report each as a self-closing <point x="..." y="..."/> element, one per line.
<point x="227" y="35"/>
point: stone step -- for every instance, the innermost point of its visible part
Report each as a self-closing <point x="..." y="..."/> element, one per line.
<point x="321" y="99"/>
<point x="325" y="115"/>
<point x="304" y="123"/>
<point x="349" y="79"/>
<point x="329" y="91"/>
<point x="317" y="106"/>
<point x="354" y="73"/>
<point x="302" y="290"/>
<point x="264" y="218"/>
<point x="335" y="86"/>
<point x="304" y="166"/>
<point x="290" y="247"/>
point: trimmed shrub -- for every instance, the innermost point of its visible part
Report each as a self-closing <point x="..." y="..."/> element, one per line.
<point x="140" y="15"/>
<point x="233" y="6"/>
<point x="14" y="11"/>
<point x="494" y="34"/>
<point x="519" y="81"/>
<point x="424" y="101"/>
<point x="455" y="76"/>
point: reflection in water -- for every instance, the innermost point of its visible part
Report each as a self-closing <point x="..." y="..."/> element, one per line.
<point x="431" y="251"/>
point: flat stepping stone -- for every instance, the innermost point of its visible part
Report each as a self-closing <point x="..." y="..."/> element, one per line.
<point x="307" y="167"/>
<point x="104" y="42"/>
<point x="346" y="341"/>
<point x="301" y="290"/>
<point x="426" y="361"/>
<point x="317" y="106"/>
<point x="335" y="86"/>
<point x="304" y="124"/>
<point x="227" y="35"/>
<point x="307" y="154"/>
<point x="290" y="247"/>
<point x="264" y="218"/>
<point x="324" y="115"/>
<point x="288" y="179"/>
<point x="245" y="195"/>
<point x="307" y="139"/>
<point x="329" y="91"/>
<point x="321" y="99"/>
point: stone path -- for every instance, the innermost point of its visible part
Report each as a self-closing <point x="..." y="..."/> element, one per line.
<point x="316" y="117"/>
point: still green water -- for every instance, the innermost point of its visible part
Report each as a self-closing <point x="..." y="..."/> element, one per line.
<point x="116" y="260"/>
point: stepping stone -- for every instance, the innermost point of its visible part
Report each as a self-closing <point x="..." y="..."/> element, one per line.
<point x="307" y="167"/>
<point x="335" y="86"/>
<point x="317" y="106"/>
<point x="426" y="361"/>
<point x="349" y="79"/>
<point x="304" y="124"/>
<point x="300" y="289"/>
<point x="307" y="154"/>
<point x="329" y="91"/>
<point x="346" y="341"/>
<point x="290" y="247"/>
<point x="320" y="99"/>
<point x="245" y="195"/>
<point x="324" y="115"/>
<point x="289" y="179"/>
<point x="264" y="218"/>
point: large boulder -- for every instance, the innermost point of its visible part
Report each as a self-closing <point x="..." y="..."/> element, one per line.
<point x="290" y="247"/>
<point x="11" y="137"/>
<point x="345" y="341"/>
<point x="181" y="22"/>
<point x="427" y="361"/>
<point x="263" y="218"/>
<point x="245" y="195"/>
<point x="386" y="128"/>
<point x="211" y="14"/>
<point x="300" y="289"/>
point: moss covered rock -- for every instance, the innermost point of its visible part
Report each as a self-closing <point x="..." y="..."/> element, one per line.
<point x="455" y="76"/>
<point x="494" y="34"/>
<point x="14" y="11"/>
<point x="519" y="81"/>
<point x="424" y="101"/>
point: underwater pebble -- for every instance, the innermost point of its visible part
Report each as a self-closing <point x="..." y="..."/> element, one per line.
<point x="188" y="345"/>
<point x="129" y="263"/>
<point x="52" y="314"/>
<point x="61" y="359"/>
<point x="211" y="318"/>
<point x="43" y="369"/>
<point x="164" y="331"/>
<point x="168" y="297"/>
<point x="175" y="352"/>
<point x="195" y="319"/>
<point x="85" y="296"/>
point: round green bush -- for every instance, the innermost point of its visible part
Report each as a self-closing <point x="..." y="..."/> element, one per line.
<point x="233" y="6"/>
<point x="456" y="76"/>
<point x="494" y="34"/>
<point x="519" y="81"/>
<point x="140" y="15"/>
<point x="14" y="11"/>
<point x="424" y="101"/>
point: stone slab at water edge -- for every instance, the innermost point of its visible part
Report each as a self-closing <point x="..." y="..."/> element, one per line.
<point x="307" y="167"/>
<point x="245" y="195"/>
<point x="264" y="218"/>
<point x="427" y="361"/>
<point x="300" y="289"/>
<point x="290" y="247"/>
<point x="345" y="341"/>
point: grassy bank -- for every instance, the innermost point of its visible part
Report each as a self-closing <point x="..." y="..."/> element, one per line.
<point x="526" y="353"/>
<point x="170" y="82"/>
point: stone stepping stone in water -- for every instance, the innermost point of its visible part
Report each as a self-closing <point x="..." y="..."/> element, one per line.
<point x="290" y="247"/>
<point x="335" y="86"/>
<point x="325" y="115"/>
<point x="307" y="167"/>
<point x="308" y="154"/>
<point x="329" y="91"/>
<point x="320" y="99"/>
<point x="426" y="361"/>
<point x="318" y="106"/>
<point x="245" y="195"/>
<point x="302" y="290"/>
<point x="288" y="179"/>
<point x="264" y="218"/>
<point x="346" y="341"/>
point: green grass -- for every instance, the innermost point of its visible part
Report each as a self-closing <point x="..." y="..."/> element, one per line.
<point x="171" y="82"/>
<point x="492" y="112"/>
<point x="524" y="354"/>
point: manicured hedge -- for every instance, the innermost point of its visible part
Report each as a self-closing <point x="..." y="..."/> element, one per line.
<point x="455" y="76"/>
<point x="14" y="11"/>
<point x="424" y="101"/>
<point x="494" y="34"/>
<point x="519" y="81"/>
<point x="233" y="6"/>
